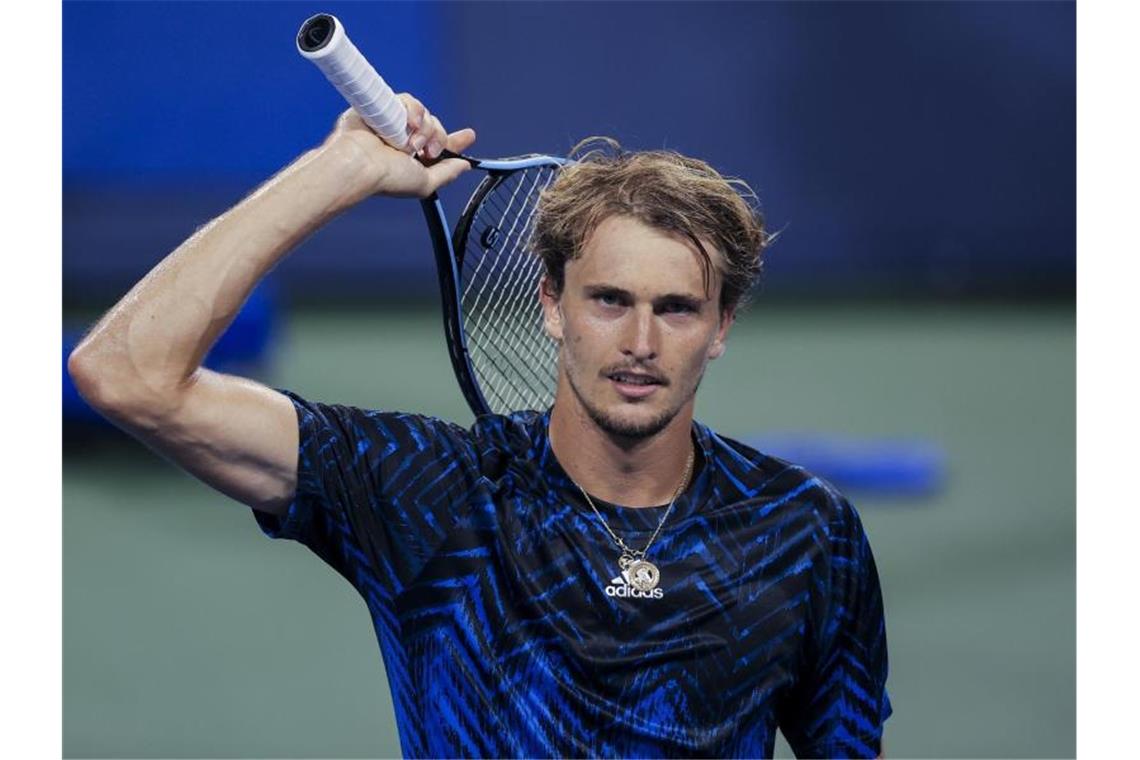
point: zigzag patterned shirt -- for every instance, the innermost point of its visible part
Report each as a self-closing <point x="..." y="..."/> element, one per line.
<point x="507" y="629"/>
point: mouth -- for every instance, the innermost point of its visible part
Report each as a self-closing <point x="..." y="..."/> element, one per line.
<point x="635" y="384"/>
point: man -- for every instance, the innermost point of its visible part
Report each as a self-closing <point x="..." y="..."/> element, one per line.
<point x="605" y="578"/>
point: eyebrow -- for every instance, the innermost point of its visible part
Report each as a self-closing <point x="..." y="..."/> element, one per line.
<point x="612" y="290"/>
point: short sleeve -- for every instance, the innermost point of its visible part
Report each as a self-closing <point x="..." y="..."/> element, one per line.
<point x="839" y="706"/>
<point x="377" y="492"/>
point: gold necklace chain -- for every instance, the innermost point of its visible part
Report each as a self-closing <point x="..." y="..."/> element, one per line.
<point x="634" y="553"/>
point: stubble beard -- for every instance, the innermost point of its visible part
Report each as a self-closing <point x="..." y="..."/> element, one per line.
<point x="627" y="429"/>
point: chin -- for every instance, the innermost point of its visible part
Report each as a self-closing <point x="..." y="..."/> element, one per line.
<point x="623" y="419"/>
<point x="635" y="423"/>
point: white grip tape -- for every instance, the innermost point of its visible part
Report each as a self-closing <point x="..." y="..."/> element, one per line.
<point x="355" y="79"/>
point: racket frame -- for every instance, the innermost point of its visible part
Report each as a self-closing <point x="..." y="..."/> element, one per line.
<point x="449" y="248"/>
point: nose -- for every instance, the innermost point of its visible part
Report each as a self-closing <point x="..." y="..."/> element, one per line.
<point x="640" y="339"/>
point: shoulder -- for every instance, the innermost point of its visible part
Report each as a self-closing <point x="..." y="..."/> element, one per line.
<point x="518" y="432"/>
<point x="489" y="436"/>
<point x="366" y="428"/>
<point x="760" y="481"/>
<point x="747" y="473"/>
<point x="509" y="443"/>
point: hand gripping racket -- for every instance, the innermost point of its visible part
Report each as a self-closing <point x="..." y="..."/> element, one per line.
<point x="488" y="277"/>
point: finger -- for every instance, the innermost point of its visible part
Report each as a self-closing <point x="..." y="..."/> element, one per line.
<point x="417" y="117"/>
<point x="443" y="172"/>
<point x="428" y="140"/>
<point x="426" y="135"/>
<point x="415" y="110"/>
<point x="421" y="137"/>
<point x="461" y="140"/>
<point x="437" y="137"/>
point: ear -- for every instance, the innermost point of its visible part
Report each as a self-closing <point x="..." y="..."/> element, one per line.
<point x="716" y="350"/>
<point x="551" y="308"/>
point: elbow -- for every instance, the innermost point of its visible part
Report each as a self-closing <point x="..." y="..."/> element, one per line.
<point x="92" y="380"/>
<point x="108" y="389"/>
<point x="85" y="375"/>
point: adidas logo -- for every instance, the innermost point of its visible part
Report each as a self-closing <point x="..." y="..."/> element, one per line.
<point x="620" y="587"/>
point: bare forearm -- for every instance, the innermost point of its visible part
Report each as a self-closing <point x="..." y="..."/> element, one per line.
<point x="153" y="341"/>
<point x="138" y="364"/>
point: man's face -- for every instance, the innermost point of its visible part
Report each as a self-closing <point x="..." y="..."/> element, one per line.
<point x="636" y="327"/>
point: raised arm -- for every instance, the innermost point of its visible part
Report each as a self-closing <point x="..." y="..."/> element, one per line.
<point x="140" y="366"/>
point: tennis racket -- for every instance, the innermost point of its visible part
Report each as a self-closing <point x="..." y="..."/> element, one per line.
<point x="488" y="277"/>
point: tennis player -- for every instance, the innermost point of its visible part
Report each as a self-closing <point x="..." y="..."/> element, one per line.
<point x="607" y="577"/>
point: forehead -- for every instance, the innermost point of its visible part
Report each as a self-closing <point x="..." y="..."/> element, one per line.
<point x="627" y="253"/>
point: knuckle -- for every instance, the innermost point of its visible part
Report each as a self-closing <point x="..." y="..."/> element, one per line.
<point x="414" y="108"/>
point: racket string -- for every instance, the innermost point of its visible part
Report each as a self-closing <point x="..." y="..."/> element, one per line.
<point x="515" y="295"/>
<point x="523" y="259"/>
<point x="512" y="356"/>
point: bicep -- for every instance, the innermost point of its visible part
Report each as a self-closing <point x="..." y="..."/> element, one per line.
<point x="236" y="435"/>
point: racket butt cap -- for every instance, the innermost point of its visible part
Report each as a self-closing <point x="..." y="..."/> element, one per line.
<point x="318" y="34"/>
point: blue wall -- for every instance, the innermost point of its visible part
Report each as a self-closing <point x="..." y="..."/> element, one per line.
<point x="914" y="148"/>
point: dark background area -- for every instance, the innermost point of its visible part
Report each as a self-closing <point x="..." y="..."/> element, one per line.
<point x="915" y="150"/>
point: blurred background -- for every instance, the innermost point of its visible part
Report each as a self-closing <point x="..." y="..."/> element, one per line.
<point x="913" y="338"/>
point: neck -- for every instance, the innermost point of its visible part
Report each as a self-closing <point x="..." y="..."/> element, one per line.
<point x="642" y="472"/>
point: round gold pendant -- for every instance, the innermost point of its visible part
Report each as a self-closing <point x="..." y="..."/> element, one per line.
<point x="643" y="575"/>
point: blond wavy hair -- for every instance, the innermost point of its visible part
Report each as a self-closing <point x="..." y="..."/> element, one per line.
<point x="660" y="188"/>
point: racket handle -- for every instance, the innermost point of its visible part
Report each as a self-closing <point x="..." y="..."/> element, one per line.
<point x="323" y="41"/>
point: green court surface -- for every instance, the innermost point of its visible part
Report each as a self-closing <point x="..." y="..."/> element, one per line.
<point x="189" y="634"/>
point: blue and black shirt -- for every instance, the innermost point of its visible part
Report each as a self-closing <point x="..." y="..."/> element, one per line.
<point x="508" y="630"/>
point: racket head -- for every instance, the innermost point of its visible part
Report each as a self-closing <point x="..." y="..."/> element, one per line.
<point x="489" y="280"/>
<point x="503" y="358"/>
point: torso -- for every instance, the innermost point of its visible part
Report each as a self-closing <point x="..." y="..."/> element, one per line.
<point x="521" y="637"/>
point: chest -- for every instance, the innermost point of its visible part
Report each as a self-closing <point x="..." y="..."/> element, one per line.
<point x="532" y="597"/>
